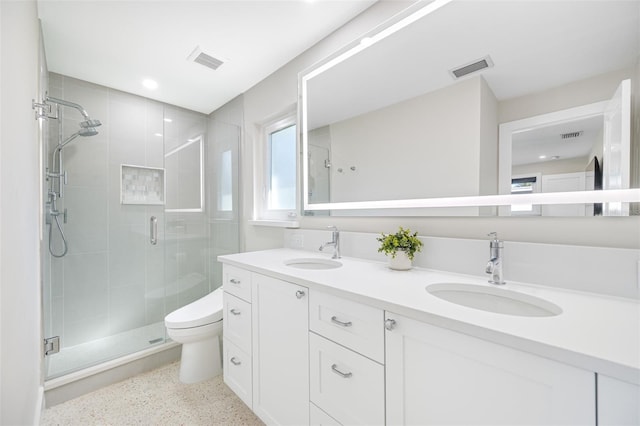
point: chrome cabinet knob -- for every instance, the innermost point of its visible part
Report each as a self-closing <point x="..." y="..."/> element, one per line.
<point x="300" y="294"/>
<point x="390" y="324"/>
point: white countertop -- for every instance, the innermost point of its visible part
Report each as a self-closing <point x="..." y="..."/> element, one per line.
<point x="594" y="332"/>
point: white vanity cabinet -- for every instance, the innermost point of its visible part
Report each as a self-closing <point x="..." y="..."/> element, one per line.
<point x="435" y="376"/>
<point x="236" y="347"/>
<point x="280" y="351"/>
<point x="346" y="369"/>
<point x="618" y="402"/>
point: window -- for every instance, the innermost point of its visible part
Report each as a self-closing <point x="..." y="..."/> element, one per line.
<point x="525" y="185"/>
<point x="282" y="169"/>
<point x="277" y="172"/>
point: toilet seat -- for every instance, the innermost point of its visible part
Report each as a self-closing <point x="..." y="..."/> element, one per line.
<point x="203" y="311"/>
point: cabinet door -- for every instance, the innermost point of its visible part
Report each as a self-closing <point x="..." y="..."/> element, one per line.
<point x="436" y="377"/>
<point x="618" y="402"/>
<point x="280" y="314"/>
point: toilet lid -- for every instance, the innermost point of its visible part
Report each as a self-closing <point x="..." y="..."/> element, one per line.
<point x="203" y="311"/>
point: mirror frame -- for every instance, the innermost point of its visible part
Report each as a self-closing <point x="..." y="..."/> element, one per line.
<point x="410" y="15"/>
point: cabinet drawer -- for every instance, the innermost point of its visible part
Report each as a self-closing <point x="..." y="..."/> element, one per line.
<point x="354" y="325"/>
<point x="237" y="281"/>
<point x="317" y="417"/>
<point x="237" y="371"/>
<point x="237" y="321"/>
<point x="347" y="386"/>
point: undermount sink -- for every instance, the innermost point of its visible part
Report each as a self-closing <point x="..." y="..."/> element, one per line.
<point x="494" y="299"/>
<point x="312" y="263"/>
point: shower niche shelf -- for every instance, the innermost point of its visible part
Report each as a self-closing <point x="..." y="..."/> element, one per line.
<point x="142" y="185"/>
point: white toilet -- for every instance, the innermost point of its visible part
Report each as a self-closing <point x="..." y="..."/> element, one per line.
<point x="198" y="327"/>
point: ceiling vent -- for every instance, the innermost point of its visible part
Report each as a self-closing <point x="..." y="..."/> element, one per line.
<point x="472" y="67"/>
<point x="571" y="135"/>
<point x="202" y="58"/>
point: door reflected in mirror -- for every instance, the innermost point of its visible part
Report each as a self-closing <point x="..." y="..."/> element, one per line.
<point x="579" y="149"/>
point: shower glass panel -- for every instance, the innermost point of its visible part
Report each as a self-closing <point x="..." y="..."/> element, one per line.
<point x="108" y="295"/>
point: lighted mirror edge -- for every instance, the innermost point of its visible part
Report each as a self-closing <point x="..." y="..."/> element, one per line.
<point x="408" y="16"/>
<point x="576" y="197"/>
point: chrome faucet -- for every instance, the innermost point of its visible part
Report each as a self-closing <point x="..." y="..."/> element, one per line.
<point x="494" y="267"/>
<point x="335" y="242"/>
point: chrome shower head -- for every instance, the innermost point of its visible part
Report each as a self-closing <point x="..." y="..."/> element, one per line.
<point x="90" y="123"/>
<point x="87" y="131"/>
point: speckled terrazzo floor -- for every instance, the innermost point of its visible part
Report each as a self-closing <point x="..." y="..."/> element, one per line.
<point x="154" y="398"/>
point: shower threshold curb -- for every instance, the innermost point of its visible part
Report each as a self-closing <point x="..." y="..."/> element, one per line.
<point x="105" y="366"/>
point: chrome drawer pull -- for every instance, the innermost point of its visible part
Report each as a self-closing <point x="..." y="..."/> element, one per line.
<point x="234" y="361"/>
<point x="299" y="294"/>
<point x="335" y="320"/>
<point x="234" y="281"/>
<point x="334" y="367"/>
<point x="234" y="311"/>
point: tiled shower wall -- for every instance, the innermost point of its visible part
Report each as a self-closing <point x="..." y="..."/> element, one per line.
<point x="112" y="278"/>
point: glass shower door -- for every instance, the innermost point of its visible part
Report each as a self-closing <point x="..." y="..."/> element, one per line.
<point x="105" y="297"/>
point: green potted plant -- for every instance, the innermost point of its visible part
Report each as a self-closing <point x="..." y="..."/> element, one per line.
<point x="402" y="246"/>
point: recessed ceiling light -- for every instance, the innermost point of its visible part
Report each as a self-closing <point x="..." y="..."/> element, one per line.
<point x="150" y="84"/>
<point x="157" y="134"/>
<point x="168" y="120"/>
<point x="542" y="157"/>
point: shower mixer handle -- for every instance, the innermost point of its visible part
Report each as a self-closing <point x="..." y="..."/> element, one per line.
<point x="153" y="230"/>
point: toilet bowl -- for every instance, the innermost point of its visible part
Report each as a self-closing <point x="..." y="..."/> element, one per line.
<point x="198" y="327"/>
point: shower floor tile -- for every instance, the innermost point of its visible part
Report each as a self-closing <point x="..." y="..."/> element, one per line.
<point x="97" y="351"/>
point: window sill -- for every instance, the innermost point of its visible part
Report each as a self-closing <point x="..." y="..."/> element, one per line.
<point x="275" y="223"/>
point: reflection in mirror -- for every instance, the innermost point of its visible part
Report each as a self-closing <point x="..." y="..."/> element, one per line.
<point x="185" y="177"/>
<point x="578" y="149"/>
<point x="415" y="115"/>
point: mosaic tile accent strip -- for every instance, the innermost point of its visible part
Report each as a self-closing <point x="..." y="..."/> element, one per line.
<point x="142" y="185"/>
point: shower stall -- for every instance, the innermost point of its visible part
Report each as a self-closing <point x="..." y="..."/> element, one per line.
<point x="139" y="199"/>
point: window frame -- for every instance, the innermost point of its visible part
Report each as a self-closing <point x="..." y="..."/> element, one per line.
<point x="263" y="215"/>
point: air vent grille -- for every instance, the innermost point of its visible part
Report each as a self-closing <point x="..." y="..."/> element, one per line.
<point x="202" y="58"/>
<point x="571" y="135"/>
<point x="472" y="67"/>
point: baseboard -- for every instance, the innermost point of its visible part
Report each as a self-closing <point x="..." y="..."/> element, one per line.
<point x="39" y="406"/>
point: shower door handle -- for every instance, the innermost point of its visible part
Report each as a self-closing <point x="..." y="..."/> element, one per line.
<point x="153" y="230"/>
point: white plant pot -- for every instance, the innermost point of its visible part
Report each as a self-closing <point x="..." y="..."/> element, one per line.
<point x="400" y="262"/>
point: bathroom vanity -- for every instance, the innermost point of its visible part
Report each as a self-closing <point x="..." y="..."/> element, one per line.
<point x="308" y="340"/>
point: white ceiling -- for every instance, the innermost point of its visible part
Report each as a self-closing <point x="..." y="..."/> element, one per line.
<point x="119" y="43"/>
<point x="535" y="45"/>
<point x="547" y="141"/>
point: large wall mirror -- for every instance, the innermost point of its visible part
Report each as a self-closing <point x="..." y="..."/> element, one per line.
<point x="431" y="111"/>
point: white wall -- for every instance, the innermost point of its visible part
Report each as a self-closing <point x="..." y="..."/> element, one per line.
<point x="394" y="148"/>
<point x="20" y="327"/>
<point x="279" y="90"/>
<point x="570" y="165"/>
<point x="276" y="93"/>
